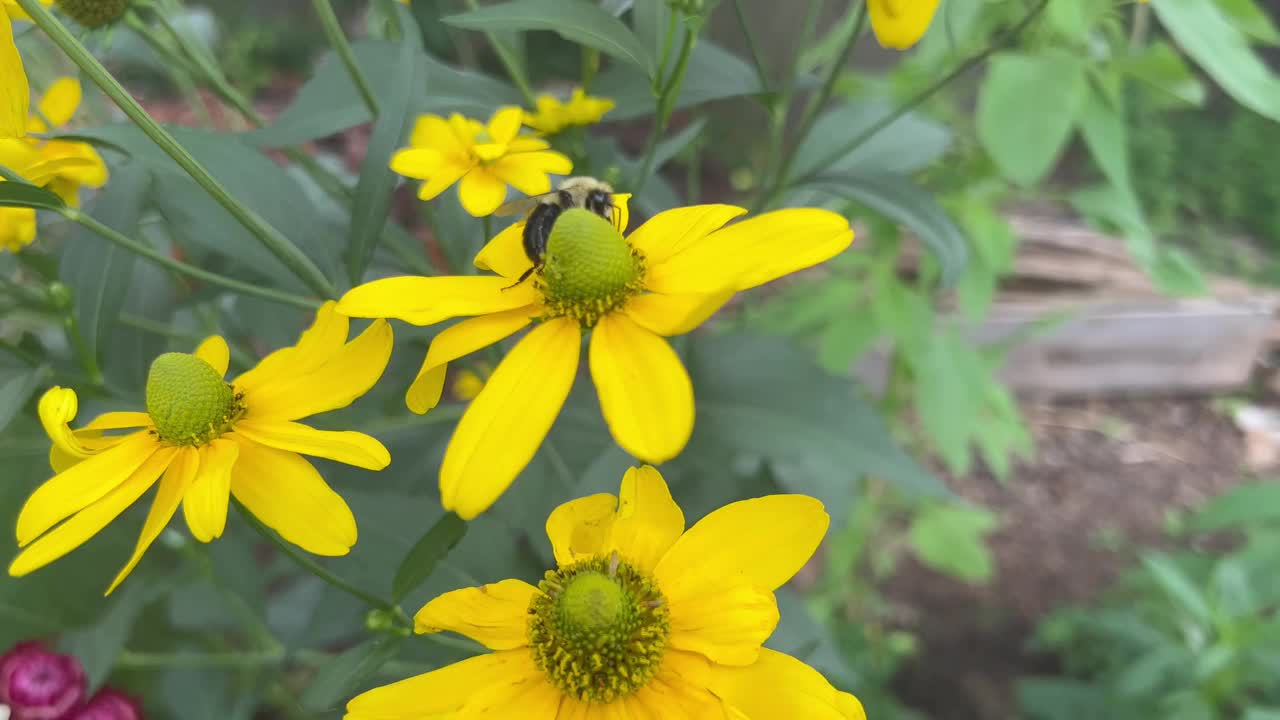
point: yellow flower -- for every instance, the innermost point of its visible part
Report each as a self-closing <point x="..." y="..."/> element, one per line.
<point x="486" y="159"/>
<point x="665" y="279"/>
<point x="554" y="116"/>
<point x="642" y="619"/>
<point x="58" y="106"/>
<point x="469" y="382"/>
<point x="14" y="90"/>
<point x="899" y="24"/>
<point x="211" y="440"/>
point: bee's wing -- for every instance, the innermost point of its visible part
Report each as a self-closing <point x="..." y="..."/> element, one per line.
<point x="523" y="206"/>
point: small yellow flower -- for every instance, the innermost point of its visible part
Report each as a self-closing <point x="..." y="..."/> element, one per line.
<point x="469" y="382"/>
<point x="211" y="440"/>
<point x="87" y="168"/>
<point x="14" y="90"/>
<point x="642" y="619"/>
<point x="553" y="116"/>
<point x="629" y="293"/>
<point x="899" y="24"/>
<point x="486" y="159"/>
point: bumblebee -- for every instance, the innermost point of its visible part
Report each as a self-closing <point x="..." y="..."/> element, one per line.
<point x="585" y="193"/>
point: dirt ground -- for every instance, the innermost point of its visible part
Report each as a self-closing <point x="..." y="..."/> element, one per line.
<point x="1106" y="476"/>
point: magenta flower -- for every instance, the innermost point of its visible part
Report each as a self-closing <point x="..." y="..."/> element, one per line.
<point x="108" y="705"/>
<point x="37" y="684"/>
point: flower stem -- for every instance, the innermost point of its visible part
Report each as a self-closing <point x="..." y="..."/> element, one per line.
<point x="757" y="59"/>
<point x="666" y="106"/>
<point x="338" y="39"/>
<point x="270" y="237"/>
<point x="166" y="661"/>
<point x="314" y="567"/>
<point x="138" y="248"/>
<point x="509" y="61"/>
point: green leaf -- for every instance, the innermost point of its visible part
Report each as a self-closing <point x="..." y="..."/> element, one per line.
<point x="1241" y="505"/>
<point x="22" y="195"/>
<point x="668" y="149"/>
<point x="339" y="679"/>
<point x="1209" y="36"/>
<point x="98" y="647"/>
<point x="1162" y="68"/>
<point x="908" y="144"/>
<point x="651" y="18"/>
<point x="1107" y="135"/>
<point x="372" y="203"/>
<point x="714" y="74"/>
<point x="16" y="387"/>
<point x="900" y="200"/>
<point x="1027" y="107"/>
<point x="1250" y="20"/>
<point x="952" y="539"/>
<point x="1076" y="19"/>
<point x="421" y="561"/>
<point x="1052" y="698"/>
<point x="582" y="22"/>
<point x="100" y="272"/>
<point x="1180" y="588"/>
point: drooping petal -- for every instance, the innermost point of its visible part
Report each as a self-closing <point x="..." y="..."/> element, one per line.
<point x="214" y="351"/>
<point x="60" y="101"/>
<point x="724" y="621"/>
<point x="763" y="542"/>
<point x="580" y="529"/>
<point x="57" y="408"/>
<point x="645" y="391"/>
<point x="206" y="501"/>
<point x="899" y="24"/>
<point x="780" y="686"/>
<point x="286" y="493"/>
<point x="319" y="342"/>
<point x="505" y="254"/>
<point x="352" y="448"/>
<point x="83" y="484"/>
<point x="505" y="123"/>
<point x="91" y="520"/>
<point x="444" y="692"/>
<point x="176" y="480"/>
<point x="481" y="192"/>
<point x="674" y="231"/>
<point x="753" y="252"/>
<point x="506" y="423"/>
<point x="345" y="376"/>
<point x="496" y="616"/>
<point x="427" y="301"/>
<point x="458" y="341"/>
<point x="648" y="521"/>
<point x="670" y="315"/>
<point x="15" y="93"/>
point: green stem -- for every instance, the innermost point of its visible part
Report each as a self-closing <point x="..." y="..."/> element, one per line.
<point x="166" y="661"/>
<point x="509" y="61"/>
<point x="19" y="353"/>
<point x="666" y="106"/>
<point x="239" y="356"/>
<point x="665" y="55"/>
<point x="107" y="233"/>
<point x="780" y="102"/>
<point x="754" y="48"/>
<point x="312" y="566"/>
<point x="338" y="39"/>
<point x="277" y="243"/>
<point x="88" y="361"/>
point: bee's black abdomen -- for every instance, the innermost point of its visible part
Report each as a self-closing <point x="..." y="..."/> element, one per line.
<point x="537" y="231"/>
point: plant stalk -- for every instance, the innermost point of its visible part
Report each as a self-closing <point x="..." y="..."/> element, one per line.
<point x="338" y="40"/>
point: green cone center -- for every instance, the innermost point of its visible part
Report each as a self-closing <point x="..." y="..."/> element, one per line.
<point x="589" y="269"/>
<point x="188" y="400"/>
<point x="598" y="629"/>
<point x="94" y="13"/>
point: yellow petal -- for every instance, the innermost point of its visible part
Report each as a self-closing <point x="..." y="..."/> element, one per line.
<point x="214" y="351"/>
<point x="445" y="692"/>
<point x="345" y="376"/>
<point x="678" y="692"/>
<point x="458" y="341"/>
<point x="72" y="446"/>
<point x="763" y="542"/>
<point x="899" y="24"/>
<point x="753" y="252"/>
<point x="427" y="301"/>
<point x="580" y="529"/>
<point x="780" y="686"/>
<point x="622" y="202"/>
<point x="60" y="101"/>
<point x="504" y="426"/>
<point x="286" y="493"/>
<point x="57" y="408"/>
<point x="674" y="231"/>
<point x="90" y="521"/>
<point x="505" y="124"/>
<point x="481" y="192"/>
<point x="496" y="616"/>
<point x="322" y="340"/>
<point x="645" y="392"/>
<point x="352" y="448"/>
<point x="14" y="91"/>
<point x="505" y="254"/>
<point x="417" y="163"/>
<point x="177" y="478"/>
<point x="669" y="315"/>
<point x="724" y="621"/>
<point x="517" y="171"/>
<point x="206" y="500"/>
<point x="648" y="521"/>
<point x="87" y="482"/>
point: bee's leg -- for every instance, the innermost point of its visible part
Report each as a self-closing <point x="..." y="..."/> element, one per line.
<point x="523" y="277"/>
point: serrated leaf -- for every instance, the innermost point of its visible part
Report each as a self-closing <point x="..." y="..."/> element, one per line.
<point x="581" y="22"/>
<point x="427" y="553"/>
<point x="952" y="539"/>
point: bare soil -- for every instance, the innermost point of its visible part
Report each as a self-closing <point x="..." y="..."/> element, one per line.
<point x="1106" y="477"/>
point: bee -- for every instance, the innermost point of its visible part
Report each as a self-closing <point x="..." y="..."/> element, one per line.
<point x="585" y="193"/>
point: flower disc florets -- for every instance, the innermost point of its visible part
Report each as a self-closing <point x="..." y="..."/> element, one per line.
<point x="188" y="400"/>
<point x="589" y="269"/>
<point x="598" y="629"/>
<point x="94" y="13"/>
